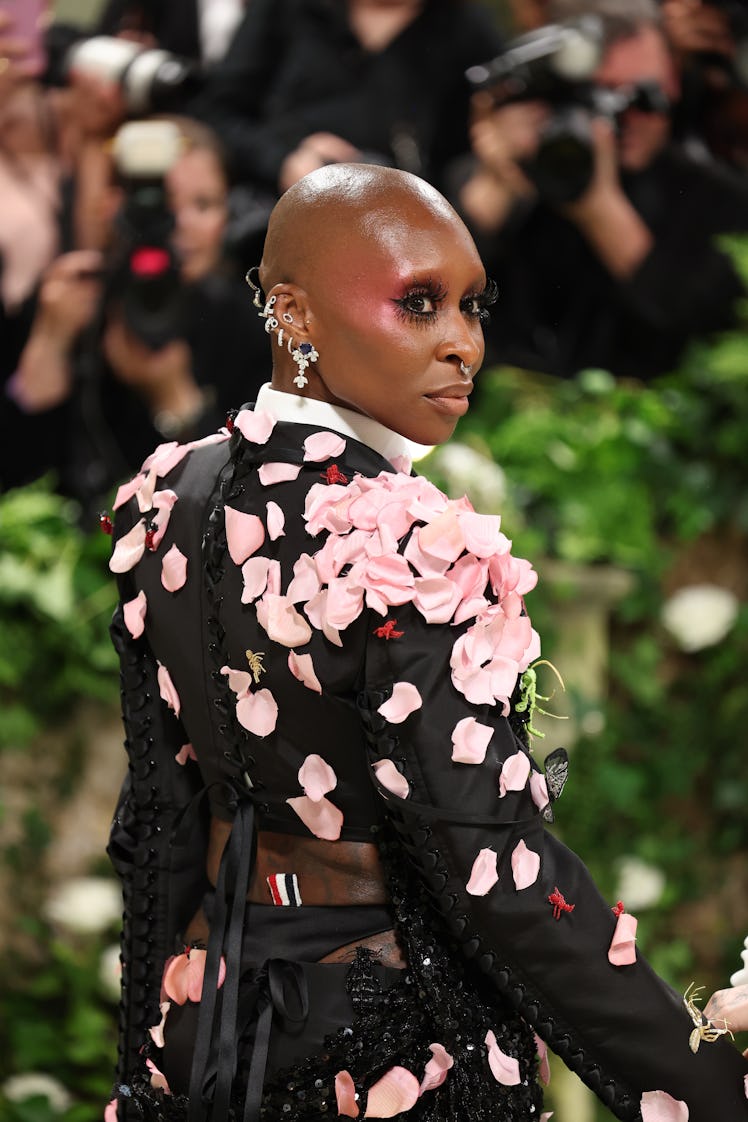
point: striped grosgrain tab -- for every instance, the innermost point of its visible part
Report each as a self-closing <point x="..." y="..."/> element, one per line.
<point x="284" y="889"/>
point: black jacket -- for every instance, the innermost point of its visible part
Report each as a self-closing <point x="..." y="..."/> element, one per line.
<point x="620" y="1027"/>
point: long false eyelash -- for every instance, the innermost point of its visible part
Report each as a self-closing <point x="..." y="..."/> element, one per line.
<point x="483" y="300"/>
<point x="430" y="290"/>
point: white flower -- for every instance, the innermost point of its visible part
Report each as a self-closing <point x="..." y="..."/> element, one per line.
<point x="110" y="971"/>
<point x="640" y="885"/>
<point x="27" y="1085"/>
<point x="700" y="615"/>
<point x="85" y="904"/>
<point x="472" y="473"/>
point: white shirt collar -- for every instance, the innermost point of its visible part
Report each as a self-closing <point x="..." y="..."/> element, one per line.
<point x="307" y="411"/>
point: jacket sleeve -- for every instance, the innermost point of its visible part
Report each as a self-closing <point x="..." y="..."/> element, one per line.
<point x="621" y="1028"/>
<point x="161" y="868"/>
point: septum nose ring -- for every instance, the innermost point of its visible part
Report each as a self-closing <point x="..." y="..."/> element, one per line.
<point x="466" y="368"/>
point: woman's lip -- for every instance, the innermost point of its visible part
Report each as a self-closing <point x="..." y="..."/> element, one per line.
<point x="455" y="405"/>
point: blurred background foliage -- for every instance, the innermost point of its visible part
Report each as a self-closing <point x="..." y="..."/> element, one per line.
<point x="593" y="474"/>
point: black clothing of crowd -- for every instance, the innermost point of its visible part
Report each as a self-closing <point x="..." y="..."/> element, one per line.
<point x="300" y="86"/>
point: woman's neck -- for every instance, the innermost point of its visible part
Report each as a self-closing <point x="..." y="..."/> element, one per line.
<point x="375" y="23"/>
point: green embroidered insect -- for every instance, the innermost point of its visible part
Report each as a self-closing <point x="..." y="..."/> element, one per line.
<point x="529" y="696"/>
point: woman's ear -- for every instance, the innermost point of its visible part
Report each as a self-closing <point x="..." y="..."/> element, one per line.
<point x="292" y="310"/>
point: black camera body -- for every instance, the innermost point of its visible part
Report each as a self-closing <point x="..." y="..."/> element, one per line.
<point x="143" y="278"/>
<point x="556" y="64"/>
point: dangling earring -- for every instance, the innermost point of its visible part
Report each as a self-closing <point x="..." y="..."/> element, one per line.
<point x="267" y="314"/>
<point x="255" y="286"/>
<point x="302" y="356"/>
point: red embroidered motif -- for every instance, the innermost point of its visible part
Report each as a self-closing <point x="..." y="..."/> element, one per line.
<point x="387" y="630"/>
<point x="149" y="536"/>
<point x="559" y="903"/>
<point x="105" y="522"/>
<point x="619" y="908"/>
<point x="334" y="475"/>
<point x="230" y="420"/>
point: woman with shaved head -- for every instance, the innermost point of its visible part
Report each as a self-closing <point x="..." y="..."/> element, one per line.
<point x="340" y="897"/>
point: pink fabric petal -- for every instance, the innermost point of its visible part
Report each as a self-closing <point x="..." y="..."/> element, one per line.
<point x="274" y="578"/>
<point x="436" y="598"/>
<point x="525" y="866"/>
<point x="163" y="501"/>
<point x="484" y="873"/>
<point x="321" y="818"/>
<point x="544" y="1067"/>
<point x="470" y="739"/>
<point x="284" y="625"/>
<point x="505" y="1069"/>
<point x="165" y="457"/>
<point x="436" y="1069"/>
<point x="276" y="520"/>
<point x="546" y="1116"/>
<point x="539" y="789"/>
<point x="254" y="425"/>
<point x="146" y="491"/>
<point x="515" y="771"/>
<point x="405" y="700"/>
<point x="622" y="951"/>
<point x="167" y="689"/>
<point x="110" y="1111"/>
<point x="240" y="681"/>
<point x="305" y="583"/>
<point x="173" y="569"/>
<point x="316" y="610"/>
<point x="245" y="534"/>
<point x="391" y="778"/>
<point x="157" y="1031"/>
<point x="443" y="537"/>
<point x="129" y="549"/>
<point x="345" y="1095"/>
<point x="134" y="614"/>
<point x="345" y="602"/>
<point x="659" y="1106"/>
<point x="213" y="438"/>
<point x="175" y="980"/>
<point x="125" y="491"/>
<point x="402" y="463"/>
<point x="302" y="668"/>
<point x="317" y="778"/>
<point x="258" y="712"/>
<point x="277" y="473"/>
<point x="323" y="446"/>
<point x="424" y="563"/>
<point x="481" y="533"/>
<point x="158" y="1079"/>
<point x="185" y="753"/>
<point x="255" y="577"/>
<point x="394" y="1093"/>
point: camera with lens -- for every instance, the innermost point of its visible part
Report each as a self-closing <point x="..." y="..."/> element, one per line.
<point x="150" y="80"/>
<point x="142" y="278"/>
<point x="556" y="64"/>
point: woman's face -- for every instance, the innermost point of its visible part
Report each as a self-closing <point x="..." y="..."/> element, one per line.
<point x="398" y="311"/>
<point x="198" y="199"/>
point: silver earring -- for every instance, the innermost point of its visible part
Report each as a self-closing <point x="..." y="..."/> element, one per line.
<point x="280" y="338"/>
<point x="255" y="286"/>
<point x="287" y="317"/>
<point x="267" y="314"/>
<point x="302" y="356"/>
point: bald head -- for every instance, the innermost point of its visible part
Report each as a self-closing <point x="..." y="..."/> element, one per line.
<point x="336" y="207"/>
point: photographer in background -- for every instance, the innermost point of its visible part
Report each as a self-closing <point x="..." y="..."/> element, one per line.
<point x="710" y="43"/>
<point x="312" y="82"/>
<point x="619" y="268"/>
<point x="148" y="342"/>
